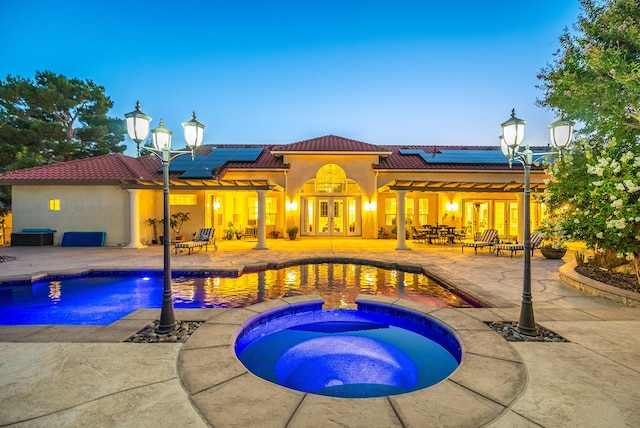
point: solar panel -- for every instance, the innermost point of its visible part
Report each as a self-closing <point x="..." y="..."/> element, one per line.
<point x="203" y="166"/>
<point x="479" y="157"/>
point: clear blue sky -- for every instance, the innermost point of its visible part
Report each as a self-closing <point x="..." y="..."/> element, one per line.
<point x="276" y="72"/>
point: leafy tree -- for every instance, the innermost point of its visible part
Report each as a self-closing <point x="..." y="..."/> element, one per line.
<point x="54" y="119"/>
<point x="595" y="77"/>
<point x="594" y="192"/>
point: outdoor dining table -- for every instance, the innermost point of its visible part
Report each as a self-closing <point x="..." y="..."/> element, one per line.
<point x="447" y="232"/>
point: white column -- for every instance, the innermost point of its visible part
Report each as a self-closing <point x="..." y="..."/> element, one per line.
<point x="134" y="219"/>
<point x="262" y="219"/>
<point x="400" y="226"/>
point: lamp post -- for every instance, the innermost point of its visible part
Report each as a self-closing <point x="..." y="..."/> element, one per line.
<point x="510" y="140"/>
<point x="138" y="129"/>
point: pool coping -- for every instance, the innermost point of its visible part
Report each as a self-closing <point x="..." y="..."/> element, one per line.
<point x="489" y="379"/>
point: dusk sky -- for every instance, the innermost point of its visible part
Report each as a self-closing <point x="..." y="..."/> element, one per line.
<point x="276" y="72"/>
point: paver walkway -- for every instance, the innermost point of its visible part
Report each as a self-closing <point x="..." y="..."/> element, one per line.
<point x="79" y="376"/>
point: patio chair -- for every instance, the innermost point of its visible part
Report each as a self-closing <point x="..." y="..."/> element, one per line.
<point x="535" y="239"/>
<point x="461" y="233"/>
<point x="418" y="235"/>
<point x="489" y="238"/>
<point x="251" y="233"/>
<point x="204" y="238"/>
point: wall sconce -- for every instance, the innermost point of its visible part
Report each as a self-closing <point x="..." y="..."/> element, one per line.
<point x="370" y="206"/>
<point x="451" y="206"/>
<point x="216" y="204"/>
<point x="292" y="205"/>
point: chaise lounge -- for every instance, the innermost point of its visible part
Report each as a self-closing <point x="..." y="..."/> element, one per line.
<point x="204" y="238"/>
<point x="489" y="238"/>
<point x="535" y="239"/>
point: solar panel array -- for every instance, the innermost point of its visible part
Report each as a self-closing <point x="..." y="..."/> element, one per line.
<point x="204" y="166"/>
<point x="481" y="157"/>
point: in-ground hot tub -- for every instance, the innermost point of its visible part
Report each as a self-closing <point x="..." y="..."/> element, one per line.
<point x="377" y="350"/>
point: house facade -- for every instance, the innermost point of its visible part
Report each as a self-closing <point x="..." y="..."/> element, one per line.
<point x="329" y="186"/>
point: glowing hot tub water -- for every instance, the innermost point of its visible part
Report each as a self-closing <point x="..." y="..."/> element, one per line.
<point x="377" y="350"/>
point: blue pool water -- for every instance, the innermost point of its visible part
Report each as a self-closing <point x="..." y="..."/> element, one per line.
<point x="102" y="298"/>
<point x="349" y="354"/>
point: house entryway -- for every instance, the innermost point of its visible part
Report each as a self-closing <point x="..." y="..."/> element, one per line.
<point x="331" y="216"/>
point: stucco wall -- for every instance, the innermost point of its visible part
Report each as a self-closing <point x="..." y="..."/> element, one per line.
<point x="82" y="208"/>
<point x="357" y="167"/>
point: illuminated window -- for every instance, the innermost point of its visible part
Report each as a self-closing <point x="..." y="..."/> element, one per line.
<point x="54" y="204"/>
<point x="270" y="211"/>
<point x="423" y="211"/>
<point x="390" y="212"/>
<point x="182" y="199"/>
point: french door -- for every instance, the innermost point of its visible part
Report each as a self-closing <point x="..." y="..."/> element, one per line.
<point x="331" y="216"/>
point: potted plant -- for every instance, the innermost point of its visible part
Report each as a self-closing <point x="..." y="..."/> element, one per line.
<point x="176" y="221"/>
<point x="292" y="231"/>
<point x="229" y="232"/>
<point x="554" y="243"/>
<point x="238" y="232"/>
<point x="275" y="234"/>
<point x="153" y="223"/>
<point x="394" y="232"/>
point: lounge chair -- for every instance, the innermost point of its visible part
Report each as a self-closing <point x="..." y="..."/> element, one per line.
<point x="535" y="239"/>
<point x="204" y="238"/>
<point x="489" y="238"/>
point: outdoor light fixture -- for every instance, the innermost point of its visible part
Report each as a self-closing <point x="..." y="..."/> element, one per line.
<point x="291" y="206"/>
<point x="451" y="206"/>
<point x="138" y="125"/>
<point x="510" y="140"/>
<point x="370" y="206"/>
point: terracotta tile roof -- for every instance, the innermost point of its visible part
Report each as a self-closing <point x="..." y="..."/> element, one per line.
<point x="106" y="168"/>
<point x="116" y="168"/>
<point x="329" y="143"/>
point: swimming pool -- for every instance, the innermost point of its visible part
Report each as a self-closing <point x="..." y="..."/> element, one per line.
<point x="100" y="298"/>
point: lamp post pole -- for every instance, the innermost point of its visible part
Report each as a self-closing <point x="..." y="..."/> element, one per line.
<point x="138" y="129"/>
<point x="510" y="140"/>
<point x="167" y="317"/>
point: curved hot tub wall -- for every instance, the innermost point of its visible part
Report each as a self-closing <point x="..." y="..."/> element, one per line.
<point x="488" y="381"/>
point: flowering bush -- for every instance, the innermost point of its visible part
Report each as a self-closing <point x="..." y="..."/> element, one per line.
<point x="595" y="194"/>
<point x="554" y="235"/>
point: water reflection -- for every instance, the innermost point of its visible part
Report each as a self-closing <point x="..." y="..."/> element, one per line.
<point x="337" y="284"/>
<point x="55" y="292"/>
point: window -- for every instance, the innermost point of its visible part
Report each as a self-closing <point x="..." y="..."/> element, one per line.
<point x="408" y="211"/>
<point x="270" y="211"/>
<point x="390" y="205"/>
<point x="182" y="199"/>
<point x="54" y="204"/>
<point x="390" y="212"/>
<point x="423" y="211"/>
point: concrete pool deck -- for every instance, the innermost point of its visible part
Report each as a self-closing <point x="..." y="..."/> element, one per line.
<point x="78" y="376"/>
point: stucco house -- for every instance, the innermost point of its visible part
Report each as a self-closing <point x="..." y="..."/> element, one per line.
<point x="328" y="186"/>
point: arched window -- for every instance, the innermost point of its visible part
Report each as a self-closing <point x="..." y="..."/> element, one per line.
<point x="331" y="179"/>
